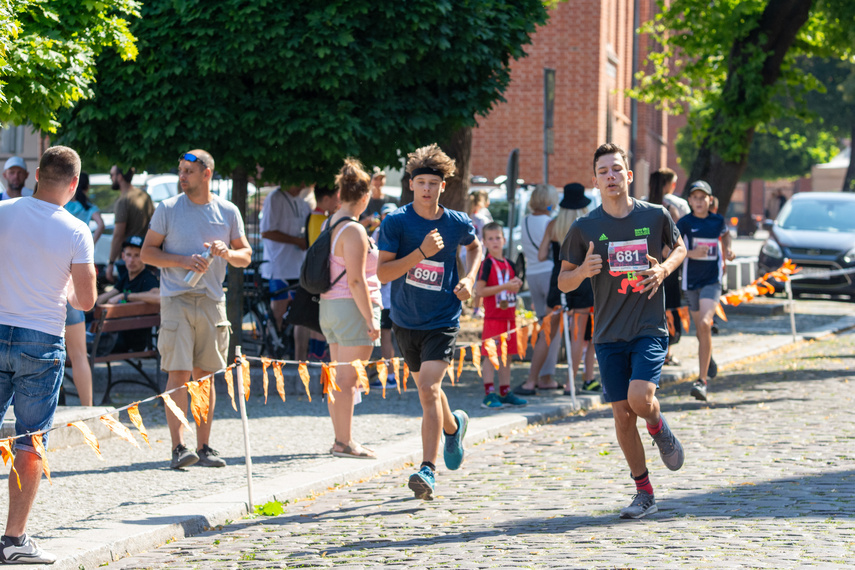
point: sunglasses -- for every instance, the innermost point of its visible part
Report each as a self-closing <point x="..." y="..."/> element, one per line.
<point x="190" y="157"/>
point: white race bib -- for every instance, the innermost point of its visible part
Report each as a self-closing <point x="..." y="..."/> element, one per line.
<point x="711" y="244"/>
<point x="427" y="275"/>
<point x="627" y="256"/>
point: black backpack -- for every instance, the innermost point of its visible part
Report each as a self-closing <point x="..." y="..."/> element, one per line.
<point x="315" y="272"/>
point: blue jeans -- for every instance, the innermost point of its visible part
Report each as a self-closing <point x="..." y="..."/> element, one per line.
<point x="31" y="368"/>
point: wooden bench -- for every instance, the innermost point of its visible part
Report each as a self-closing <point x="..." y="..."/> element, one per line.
<point x="126" y="317"/>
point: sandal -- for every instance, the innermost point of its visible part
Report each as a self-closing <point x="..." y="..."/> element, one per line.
<point x="556" y="387"/>
<point x="348" y="451"/>
<point x="520" y="391"/>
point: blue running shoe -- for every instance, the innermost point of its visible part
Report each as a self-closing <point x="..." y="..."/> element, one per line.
<point x="453" y="453"/>
<point x="422" y="483"/>
<point x="512" y="400"/>
<point x="492" y="402"/>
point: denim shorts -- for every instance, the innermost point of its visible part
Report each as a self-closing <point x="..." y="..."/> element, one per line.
<point x="622" y="362"/>
<point x="31" y="368"/>
<point x="73" y="316"/>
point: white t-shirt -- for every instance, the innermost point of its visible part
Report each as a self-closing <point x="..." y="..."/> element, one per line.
<point x="533" y="228"/>
<point x="287" y="214"/>
<point x="40" y="242"/>
<point x="186" y="227"/>
<point x="682" y="205"/>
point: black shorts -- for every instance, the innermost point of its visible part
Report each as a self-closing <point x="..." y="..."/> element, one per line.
<point x="424" y="346"/>
<point x="386" y="319"/>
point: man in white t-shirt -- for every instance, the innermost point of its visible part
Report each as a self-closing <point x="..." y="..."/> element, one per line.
<point x="52" y="261"/>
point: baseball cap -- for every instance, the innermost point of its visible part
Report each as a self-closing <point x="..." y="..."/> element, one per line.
<point x="388" y="208"/>
<point x="15" y="161"/>
<point x="135" y="241"/>
<point x="702" y="186"/>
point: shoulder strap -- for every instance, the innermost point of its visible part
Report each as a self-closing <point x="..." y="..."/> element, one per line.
<point x="529" y="233"/>
<point x="338" y="235"/>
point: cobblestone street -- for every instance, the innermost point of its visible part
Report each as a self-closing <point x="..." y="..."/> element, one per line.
<point x="769" y="482"/>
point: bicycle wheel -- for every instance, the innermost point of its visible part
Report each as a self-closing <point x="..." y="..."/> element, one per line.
<point x="253" y="333"/>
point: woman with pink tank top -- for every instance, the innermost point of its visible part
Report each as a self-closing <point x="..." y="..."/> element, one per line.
<point x="350" y="310"/>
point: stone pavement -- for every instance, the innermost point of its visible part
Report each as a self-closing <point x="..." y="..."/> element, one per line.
<point x="97" y="511"/>
<point x="769" y="482"/>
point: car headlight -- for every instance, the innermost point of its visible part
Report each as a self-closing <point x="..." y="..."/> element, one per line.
<point x="850" y="256"/>
<point x="772" y="249"/>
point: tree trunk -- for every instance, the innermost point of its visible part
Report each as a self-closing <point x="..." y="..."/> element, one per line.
<point x="234" y="279"/>
<point x="849" y="180"/>
<point x="458" y="147"/>
<point x="745" y="95"/>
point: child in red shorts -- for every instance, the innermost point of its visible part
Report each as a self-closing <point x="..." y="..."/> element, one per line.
<point x="498" y="286"/>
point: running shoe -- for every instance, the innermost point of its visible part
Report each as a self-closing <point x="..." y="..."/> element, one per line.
<point x="669" y="447"/>
<point x="422" y="483"/>
<point x="712" y="371"/>
<point x="182" y="457"/>
<point x="27" y="552"/>
<point x="209" y="457"/>
<point x="699" y="390"/>
<point x="492" y="402"/>
<point x="453" y="453"/>
<point x="642" y="504"/>
<point x="391" y="383"/>
<point x="592" y="386"/>
<point x="376" y="383"/>
<point x="512" y="400"/>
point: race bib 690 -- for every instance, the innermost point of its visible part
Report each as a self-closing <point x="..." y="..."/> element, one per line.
<point x="628" y="255"/>
<point x="427" y="275"/>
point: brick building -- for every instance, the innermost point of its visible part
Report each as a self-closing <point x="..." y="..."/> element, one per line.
<point x="591" y="45"/>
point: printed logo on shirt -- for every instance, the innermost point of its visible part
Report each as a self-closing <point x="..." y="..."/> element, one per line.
<point x="603" y="237"/>
<point x="642" y="232"/>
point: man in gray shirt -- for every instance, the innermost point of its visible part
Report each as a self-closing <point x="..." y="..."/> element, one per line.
<point x="194" y="330"/>
<point x="640" y="245"/>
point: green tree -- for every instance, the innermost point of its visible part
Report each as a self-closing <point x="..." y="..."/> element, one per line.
<point x="285" y="90"/>
<point x="732" y="62"/>
<point x="48" y="50"/>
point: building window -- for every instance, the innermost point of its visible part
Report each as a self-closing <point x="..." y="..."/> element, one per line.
<point x="12" y="140"/>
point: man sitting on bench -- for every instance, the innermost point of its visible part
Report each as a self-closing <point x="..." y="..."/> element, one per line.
<point x="140" y="283"/>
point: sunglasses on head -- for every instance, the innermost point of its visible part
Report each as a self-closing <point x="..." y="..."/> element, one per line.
<point x="190" y="157"/>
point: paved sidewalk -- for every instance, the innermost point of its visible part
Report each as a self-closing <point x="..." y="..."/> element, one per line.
<point x="96" y="511"/>
<point x="769" y="482"/>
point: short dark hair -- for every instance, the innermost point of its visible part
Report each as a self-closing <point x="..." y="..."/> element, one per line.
<point x="610" y="148"/>
<point x="322" y="192"/>
<point x="127" y="174"/>
<point x="491" y="227"/>
<point x="58" y="166"/>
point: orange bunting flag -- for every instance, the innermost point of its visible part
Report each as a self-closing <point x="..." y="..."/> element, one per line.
<point x="326" y="388"/>
<point x="361" y="375"/>
<point x="476" y="357"/>
<point x="547" y="328"/>
<point x="561" y="325"/>
<point x="247" y="379"/>
<point x="719" y="310"/>
<point x="684" y="317"/>
<point x="265" y="363"/>
<point x="136" y="419"/>
<point x="382" y="373"/>
<point x="199" y="399"/>
<point x="88" y="437"/>
<point x="503" y="348"/>
<point x="460" y="362"/>
<point x="490" y="347"/>
<point x="176" y="411"/>
<point x="396" y="368"/>
<point x="229" y="377"/>
<point x="405" y="376"/>
<point x="280" y="379"/>
<point x="6" y="453"/>
<point x="40" y="449"/>
<point x="535" y="328"/>
<point x="119" y="428"/>
<point x="333" y="368"/>
<point x="303" y="371"/>
<point x="522" y="341"/>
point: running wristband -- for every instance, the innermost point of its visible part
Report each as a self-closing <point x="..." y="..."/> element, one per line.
<point x="423" y="253"/>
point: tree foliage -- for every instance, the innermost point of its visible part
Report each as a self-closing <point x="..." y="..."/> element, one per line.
<point x="733" y="63"/>
<point x="293" y="87"/>
<point x="48" y="50"/>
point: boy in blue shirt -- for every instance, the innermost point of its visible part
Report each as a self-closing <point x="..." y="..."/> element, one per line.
<point x="701" y="231"/>
<point x="418" y="255"/>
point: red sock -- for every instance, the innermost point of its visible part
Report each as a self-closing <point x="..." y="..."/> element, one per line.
<point x="642" y="483"/>
<point x="654" y="429"/>
<point x="488" y="388"/>
<point x="503" y="390"/>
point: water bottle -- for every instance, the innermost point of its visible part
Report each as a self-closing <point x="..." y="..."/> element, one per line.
<point x="192" y="277"/>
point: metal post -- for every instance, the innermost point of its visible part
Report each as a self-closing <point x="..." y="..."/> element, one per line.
<point x="245" y="424"/>
<point x="788" y="286"/>
<point x="570" y="372"/>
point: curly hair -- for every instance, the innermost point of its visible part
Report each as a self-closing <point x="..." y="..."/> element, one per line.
<point x="431" y="157"/>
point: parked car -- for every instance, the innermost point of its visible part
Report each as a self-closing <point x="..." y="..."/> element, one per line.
<point x="816" y="230"/>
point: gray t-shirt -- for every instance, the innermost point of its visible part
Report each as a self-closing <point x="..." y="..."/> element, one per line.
<point x="186" y="227"/>
<point x="621" y="312"/>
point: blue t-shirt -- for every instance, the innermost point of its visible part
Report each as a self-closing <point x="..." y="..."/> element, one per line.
<point x="696" y="231"/>
<point x="424" y="298"/>
<point x="78" y="211"/>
